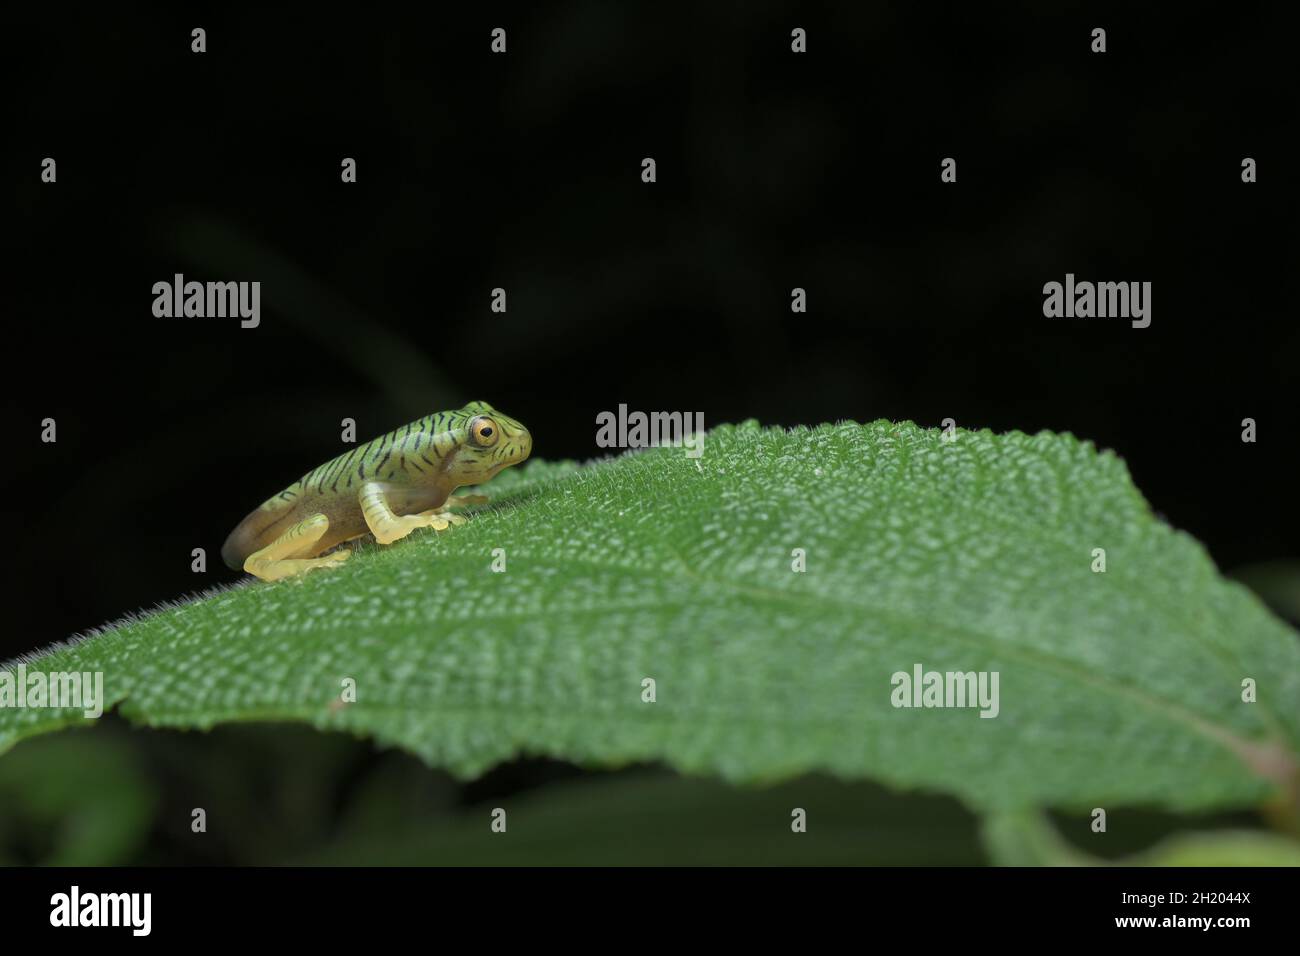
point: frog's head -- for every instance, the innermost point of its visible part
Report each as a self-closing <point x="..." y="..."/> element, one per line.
<point x="487" y="441"/>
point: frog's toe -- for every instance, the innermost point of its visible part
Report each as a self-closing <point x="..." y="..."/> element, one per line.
<point x="388" y="527"/>
<point x="439" y="520"/>
<point x="465" y="501"/>
<point x="395" y="529"/>
<point x="288" y="555"/>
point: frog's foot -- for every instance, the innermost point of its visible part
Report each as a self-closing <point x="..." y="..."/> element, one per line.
<point x="439" y="520"/>
<point x="284" y="557"/>
<point x="437" y="516"/>
<point x="388" y="527"/>
<point x="463" y="501"/>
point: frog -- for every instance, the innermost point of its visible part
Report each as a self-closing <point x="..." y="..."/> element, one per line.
<point x="388" y="487"/>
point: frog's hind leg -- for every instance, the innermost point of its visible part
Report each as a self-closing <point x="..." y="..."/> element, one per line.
<point x="287" y="555"/>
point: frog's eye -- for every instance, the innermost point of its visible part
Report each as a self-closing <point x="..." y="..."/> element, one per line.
<point x="483" y="432"/>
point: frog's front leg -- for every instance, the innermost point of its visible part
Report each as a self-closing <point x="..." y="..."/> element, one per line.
<point x="463" y="501"/>
<point x="388" y="526"/>
<point x="454" y="501"/>
<point x="289" y="554"/>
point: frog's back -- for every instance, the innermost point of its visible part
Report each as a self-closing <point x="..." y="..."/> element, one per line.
<point x="410" y="453"/>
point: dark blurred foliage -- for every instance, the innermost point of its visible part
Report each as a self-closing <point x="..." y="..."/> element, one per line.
<point x="522" y="171"/>
<point x="284" y="794"/>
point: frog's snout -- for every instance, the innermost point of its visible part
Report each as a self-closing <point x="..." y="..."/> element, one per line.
<point x="519" y="446"/>
<point x="513" y="445"/>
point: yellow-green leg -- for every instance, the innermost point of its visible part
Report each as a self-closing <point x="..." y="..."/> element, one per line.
<point x="388" y="527"/>
<point x="463" y="501"/>
<point x="454" y="501"/>
<point x="286" y="555"/>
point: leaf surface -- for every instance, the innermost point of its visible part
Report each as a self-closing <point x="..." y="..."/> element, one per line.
<point x="974" y="555"/>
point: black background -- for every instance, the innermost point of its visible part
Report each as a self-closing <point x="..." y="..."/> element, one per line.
<point x="344" y="907"/>
<point x="522" y="171"/>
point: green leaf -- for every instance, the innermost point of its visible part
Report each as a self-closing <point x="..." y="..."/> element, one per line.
<point x="970" y="555"/>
